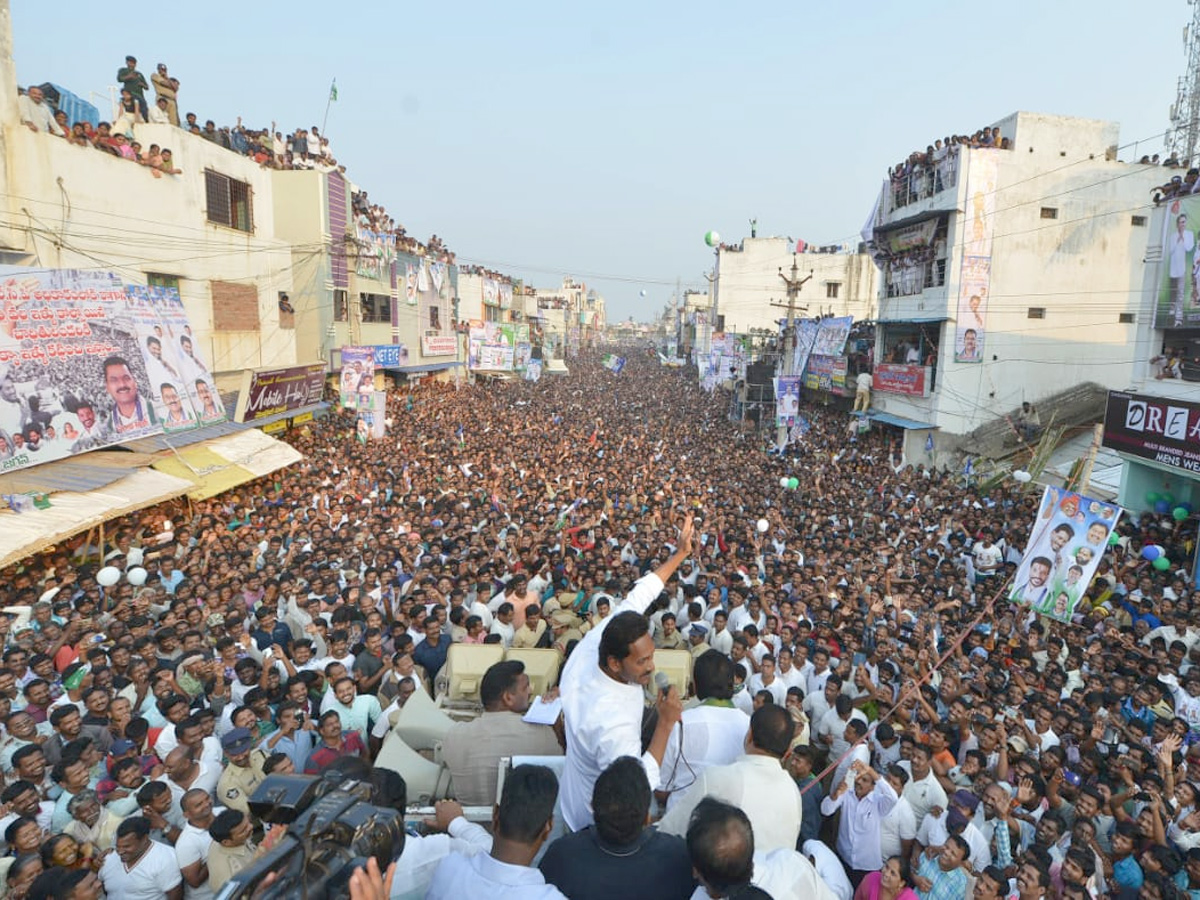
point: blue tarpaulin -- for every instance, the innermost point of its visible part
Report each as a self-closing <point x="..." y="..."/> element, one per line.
<point x="76" y="108"/>
<point x="898" y="421"/>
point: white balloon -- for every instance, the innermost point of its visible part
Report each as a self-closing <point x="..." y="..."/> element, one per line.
<point x="783" y="482"/>
<point x="108" y="576"/>
<point x="134" y="557"/>
<point x="1021" y="476"/>
<point x="643" y="294"/>
<point x="136" y="576"/>
<point x="763" y="526"/>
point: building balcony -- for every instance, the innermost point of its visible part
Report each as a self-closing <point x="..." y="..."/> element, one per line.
<point x="914" y="182"/>
<point x="901" y="280"/>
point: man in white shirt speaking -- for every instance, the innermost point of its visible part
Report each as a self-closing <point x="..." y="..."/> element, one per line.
<point x="603" y="689"/>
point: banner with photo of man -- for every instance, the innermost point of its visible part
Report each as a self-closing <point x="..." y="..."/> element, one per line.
<point x="787" y="401"/>
<point x="1177" y="303"/>
<point x="375" y="252"/>
<point x="358" y="376"/>
<point x="1069" y="536"/>
<point x="976" y="279"/>
<point x="180" y="383"/>
<point x="371" y="422"/>
<point x="972" y="308"/>
<point x="832" y="335"/>
<point x="78" y="358"/>
<point x="806" y="336"/>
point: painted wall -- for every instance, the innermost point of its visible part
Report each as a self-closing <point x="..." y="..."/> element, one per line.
<point x="749" y="280"/>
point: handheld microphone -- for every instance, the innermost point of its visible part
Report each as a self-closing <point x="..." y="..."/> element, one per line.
<point x="662" y="682"/>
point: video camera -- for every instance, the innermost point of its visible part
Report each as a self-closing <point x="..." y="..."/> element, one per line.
<point x="332" y="830"/>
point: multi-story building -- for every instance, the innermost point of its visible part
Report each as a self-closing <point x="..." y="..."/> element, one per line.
<point x="486" y="296"/>
<point x="356" y="287"/>
<point x="1006" y="275"/>
<point x="566" y="316"/>
<point x="208" y="231"/>
<point x="695" y="333"/>
<point x="1152" y="419"/>
<point x="843" y="283"/>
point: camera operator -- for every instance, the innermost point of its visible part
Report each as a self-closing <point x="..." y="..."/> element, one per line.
<point x="421" y="854"/>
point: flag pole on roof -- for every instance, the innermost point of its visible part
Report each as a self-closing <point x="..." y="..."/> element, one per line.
<point x="332" y="99"/>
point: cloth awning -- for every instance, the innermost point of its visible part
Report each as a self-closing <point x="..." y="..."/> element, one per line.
<point x="159" y="442"/>
<point x="941" y="207"/>
<point x="222" y="463"/>
<point x="70" y="512"/>
<point x="899" y="421"/>
<point x="85" y="472"/>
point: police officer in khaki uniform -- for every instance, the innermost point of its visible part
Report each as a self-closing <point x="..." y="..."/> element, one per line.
<point x="565" y="625"/>
<point x="244" y="772"/>
<point x="698" y="639"/>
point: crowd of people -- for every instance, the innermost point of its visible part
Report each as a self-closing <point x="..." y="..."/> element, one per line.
<point x="928" y="172"/>
<point x="116" y="139"/>
<point x="303" y="148"/>
<point x="485" y="272"/>
<point x="1178" y="186"/>
<point x="867" y="719"/>
<point x="912" y="271"/>
<point x="373" y="218"/>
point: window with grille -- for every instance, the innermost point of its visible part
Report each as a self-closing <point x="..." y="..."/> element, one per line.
<point x="340" y="306"/>
<point x="435" y="318"/>
<point x="831" y="289"/>
<point x="1037" y="312"/>
<point x="1126" y="318"/>
<point x="1138" y="221"/>
<point x="376" y="308"/>
<point x="1049" y="212"/>
<point x="229" y="201"/>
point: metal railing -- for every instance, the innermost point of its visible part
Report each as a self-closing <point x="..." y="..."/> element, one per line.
<point x="914" y="182"/>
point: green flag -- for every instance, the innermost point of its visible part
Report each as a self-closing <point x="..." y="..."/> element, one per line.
<point x="333" y="91"/>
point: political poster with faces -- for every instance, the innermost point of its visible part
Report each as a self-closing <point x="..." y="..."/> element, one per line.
<point x="80" y="356"/>
<point x="180" y="381"/>
<point x="1069" y="536"/>
<point x="357" y="379"/>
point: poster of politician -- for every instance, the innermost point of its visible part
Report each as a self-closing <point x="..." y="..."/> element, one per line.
<point x="787" y="401"/>
<point x="1069" y="536"/>
<point x="832" y="335"/>
<point x="806" y="336"/>
<point x="180" y="382"/>
<point x="74" y="374"/>
<point x="357" y="380"/>
<point x="1177" y="303"/>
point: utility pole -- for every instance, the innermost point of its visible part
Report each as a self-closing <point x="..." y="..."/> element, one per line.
<point x="1183" y="136"/>
<point x="787" y="359"/>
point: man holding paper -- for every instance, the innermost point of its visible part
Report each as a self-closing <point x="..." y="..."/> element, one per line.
<point x="472" y="750"/>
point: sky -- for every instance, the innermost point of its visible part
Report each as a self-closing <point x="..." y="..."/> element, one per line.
<point x="603" y="140"/>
